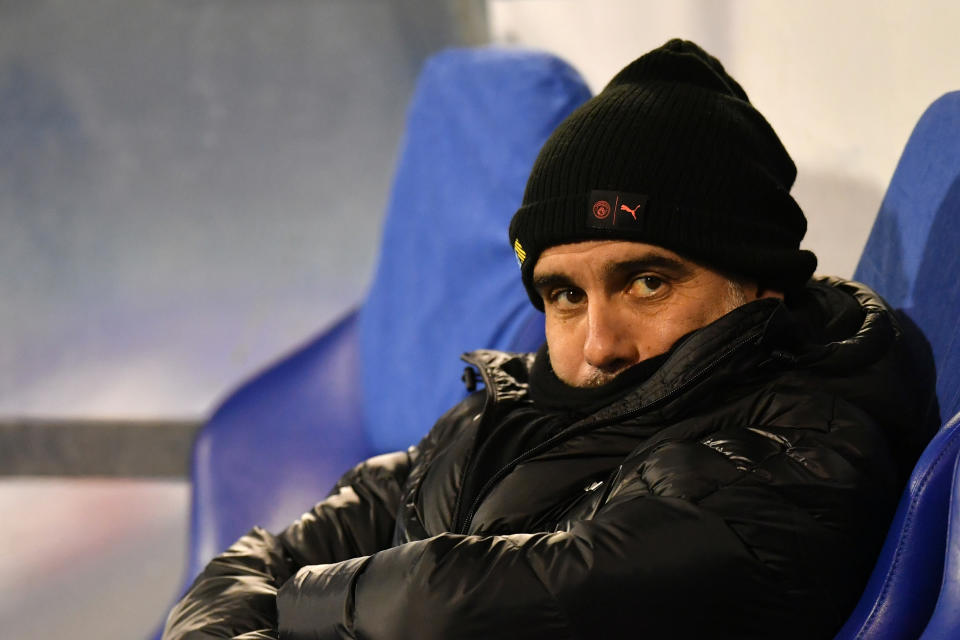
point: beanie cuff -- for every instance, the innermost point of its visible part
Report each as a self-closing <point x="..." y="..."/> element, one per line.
<point x="734" y="244"/>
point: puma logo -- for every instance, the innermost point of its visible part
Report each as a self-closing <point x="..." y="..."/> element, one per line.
<point x="632" y="212"/>
<point x="607" y="210"/>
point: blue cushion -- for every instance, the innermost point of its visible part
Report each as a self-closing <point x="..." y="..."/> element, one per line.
<point x="447" y="280"/>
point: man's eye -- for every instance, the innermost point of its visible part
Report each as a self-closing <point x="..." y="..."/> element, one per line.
<point x="646" y="286"/>
<point x="566" y="297"/>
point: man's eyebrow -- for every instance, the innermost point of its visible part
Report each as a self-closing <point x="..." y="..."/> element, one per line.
<point x="669" y="266"/>
<point x="673" y="267"/>
<point x="550" y="281"/>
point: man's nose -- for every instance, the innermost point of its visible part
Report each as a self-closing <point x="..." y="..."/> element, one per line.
<point x="609" y="344"/>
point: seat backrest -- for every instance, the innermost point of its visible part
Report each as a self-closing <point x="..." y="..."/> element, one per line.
<point x="911" y="259"/>
<point x="278" y="443"/>
<point x="911" y="255"/>
<point x="447" y="282"/>
<point x="945" y="621"/>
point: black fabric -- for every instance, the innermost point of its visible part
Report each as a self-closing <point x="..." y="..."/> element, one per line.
<point x="505" y="439"/>
<point x="555" y="405"/>
<point x="670" y="153"/>
<point x="550" y="392"/>
<point x="741" y="490"/>
<point x="824" y="315"/>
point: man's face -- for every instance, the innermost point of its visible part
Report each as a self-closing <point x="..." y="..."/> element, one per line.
<point x="610" y="304"/>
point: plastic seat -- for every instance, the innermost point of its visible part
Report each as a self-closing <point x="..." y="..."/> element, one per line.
<point x="945" y="621"/>
<point x="447" y="282"/>
<point x="911" y="259"/>
<point x="278" y="443"/>
<point x="903" y="587"/>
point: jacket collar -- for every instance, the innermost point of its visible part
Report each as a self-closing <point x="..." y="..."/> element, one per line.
<point x="763" y="333"/>
<point x="506" y="375"/>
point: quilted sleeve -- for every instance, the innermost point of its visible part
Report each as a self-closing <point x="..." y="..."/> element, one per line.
<point x="650" y="567"/>
<point x="235" y="595"/>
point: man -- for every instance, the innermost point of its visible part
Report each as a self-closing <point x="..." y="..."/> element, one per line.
<point x="709" y="445"/>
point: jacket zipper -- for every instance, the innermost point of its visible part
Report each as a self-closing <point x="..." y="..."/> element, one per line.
<point x="489" y="400"/>
<point x="583" y="427"/>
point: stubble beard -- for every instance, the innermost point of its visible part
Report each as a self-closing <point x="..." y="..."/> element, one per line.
<point x="600" y="378"/>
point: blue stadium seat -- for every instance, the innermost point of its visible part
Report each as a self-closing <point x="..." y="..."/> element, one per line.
<point x="911" y="259"/>
<point x="903" y="587"/>
<point x="447" y="282"/>
<point x="911" y="255"/>
<point x="945" y="621"/>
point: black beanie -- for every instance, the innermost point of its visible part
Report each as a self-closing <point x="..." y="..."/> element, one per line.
<point x="670" y="153"/>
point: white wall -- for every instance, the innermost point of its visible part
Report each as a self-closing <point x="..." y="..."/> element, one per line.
<point x="843" y="83"/>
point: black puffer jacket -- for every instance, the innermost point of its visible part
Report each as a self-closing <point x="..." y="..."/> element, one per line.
<point x="741" y="491"/>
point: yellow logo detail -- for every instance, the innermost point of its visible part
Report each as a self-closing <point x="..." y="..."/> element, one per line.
<point x="518" y="249"/>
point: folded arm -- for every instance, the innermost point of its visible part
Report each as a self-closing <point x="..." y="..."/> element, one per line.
<point x="235" y="595"/>
<point x="628" y="570"/>
<point x="780" y="547"/>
